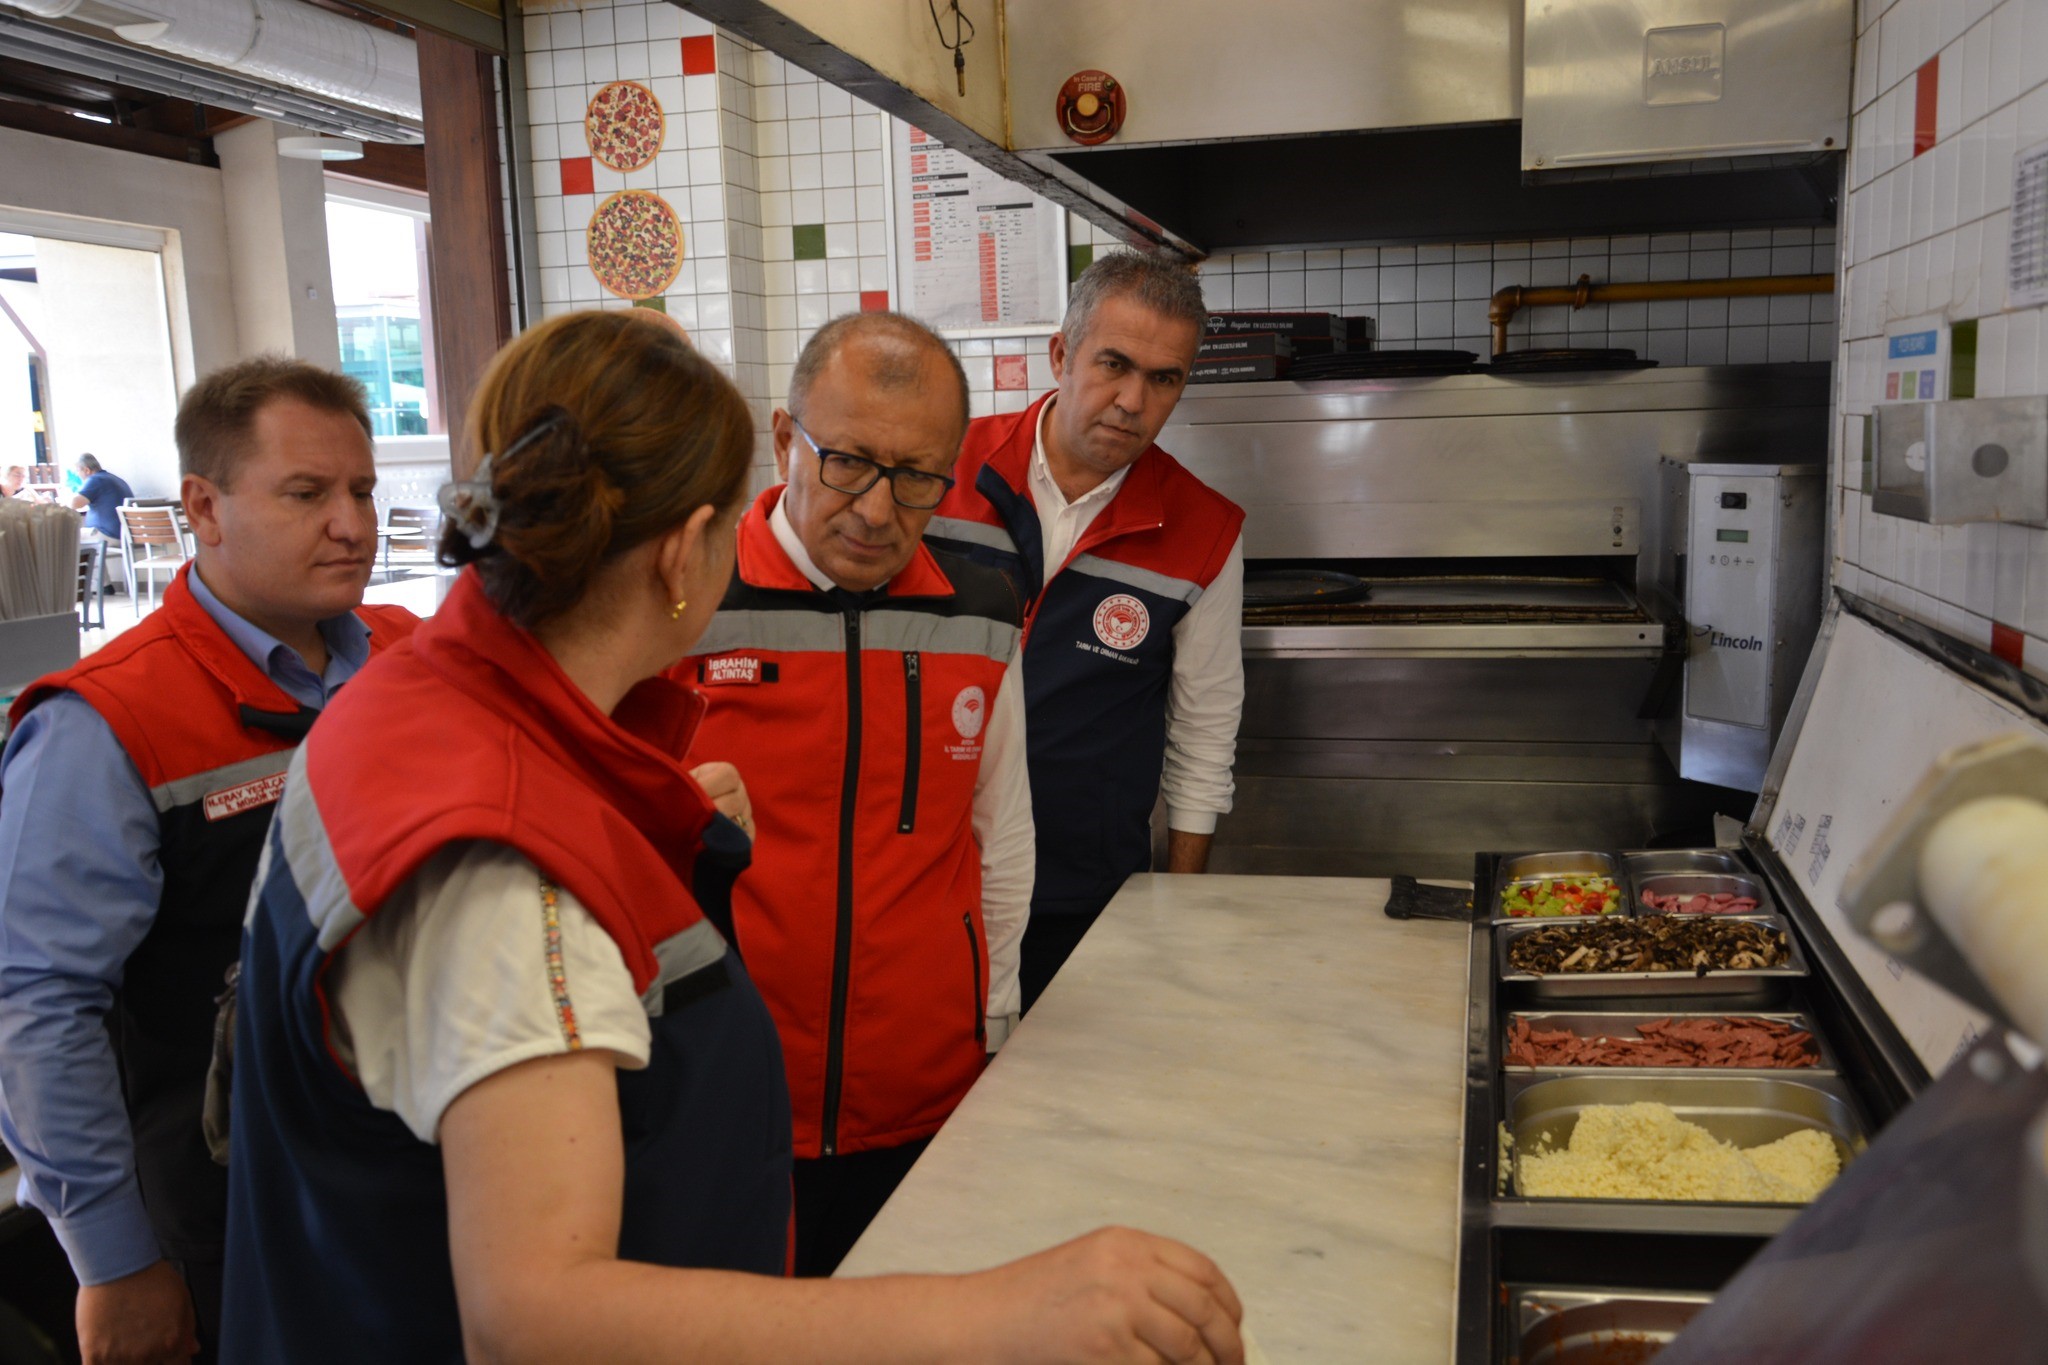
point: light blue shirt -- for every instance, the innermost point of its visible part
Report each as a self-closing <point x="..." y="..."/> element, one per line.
<point x="79" y="888"/>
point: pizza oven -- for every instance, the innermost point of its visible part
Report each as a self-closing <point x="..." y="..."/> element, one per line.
<point x="1455" y="635"/>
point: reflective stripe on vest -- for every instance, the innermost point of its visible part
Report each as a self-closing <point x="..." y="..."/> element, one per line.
<point x="1151" y="581"/>
<point x="262" y="775"/>
<point x="815" y="631"/>
<point x="971" y="532"/>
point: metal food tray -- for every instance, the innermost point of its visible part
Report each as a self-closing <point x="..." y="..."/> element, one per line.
<point x="1660" y="862"/>
<point x="1764" y="984"/>
<point x="1522" y="868"/>
<point x="1699" y="883"/>
<point x="1593" y="1023"/>
<point x="1747" y="1111"/>
<point x="1557" y="1326"/>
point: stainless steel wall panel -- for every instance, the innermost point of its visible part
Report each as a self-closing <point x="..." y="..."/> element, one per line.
<point x="1450" y="701"/>
<point x="1377" y="827"/>
<point x="1199" y="69"/>
<point x="1458" y="466"/>
<point x="1630" y="81"/>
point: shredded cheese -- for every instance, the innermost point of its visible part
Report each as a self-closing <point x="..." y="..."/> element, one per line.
<point x="1645" y="1151"/>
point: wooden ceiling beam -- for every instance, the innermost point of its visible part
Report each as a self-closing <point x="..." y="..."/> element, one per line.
<point x="387" y="163"/>
<point x="33" y="118"/>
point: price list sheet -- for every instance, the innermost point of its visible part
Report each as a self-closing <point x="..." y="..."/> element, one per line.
<point x="973" y="249"/>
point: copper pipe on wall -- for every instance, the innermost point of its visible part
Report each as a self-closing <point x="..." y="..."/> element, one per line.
<point x="1507" y="302"/>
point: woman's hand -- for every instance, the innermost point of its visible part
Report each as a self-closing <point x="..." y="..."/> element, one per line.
<point x="1110" y="1297"/>
<point x="722" y="783"/>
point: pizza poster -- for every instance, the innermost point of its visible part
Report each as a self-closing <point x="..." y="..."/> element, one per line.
<point x="973" y="250"/>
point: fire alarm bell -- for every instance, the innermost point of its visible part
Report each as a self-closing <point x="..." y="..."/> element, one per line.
<point x="1090" y="107"/>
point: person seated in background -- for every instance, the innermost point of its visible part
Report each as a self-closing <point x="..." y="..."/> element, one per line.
<point x="138" y="786"/>
<point x="895" y="837"/>
<point x="99" y="495"/>
<point x="14" y="483"/>
<point x="503" y="1089"/>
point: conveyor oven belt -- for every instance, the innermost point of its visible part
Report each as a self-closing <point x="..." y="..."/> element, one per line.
<point x="1471" y="615"/>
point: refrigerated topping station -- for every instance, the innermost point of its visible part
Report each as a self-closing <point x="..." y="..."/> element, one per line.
<point x="1407" y="1140"/>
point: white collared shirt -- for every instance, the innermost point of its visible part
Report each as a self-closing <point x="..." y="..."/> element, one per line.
<point x="1207" y="697"/>
<point x="1001" y="817"/>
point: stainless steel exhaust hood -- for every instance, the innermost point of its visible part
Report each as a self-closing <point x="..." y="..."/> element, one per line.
<point x="1301" y="121"/>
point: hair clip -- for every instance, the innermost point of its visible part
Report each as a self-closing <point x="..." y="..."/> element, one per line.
<point x="471" y="503"/>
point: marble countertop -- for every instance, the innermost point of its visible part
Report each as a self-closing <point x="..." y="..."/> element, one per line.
<point x="1266" y="1067"/>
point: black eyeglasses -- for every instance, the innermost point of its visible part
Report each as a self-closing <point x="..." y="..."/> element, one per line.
<point x="856" y="474"/>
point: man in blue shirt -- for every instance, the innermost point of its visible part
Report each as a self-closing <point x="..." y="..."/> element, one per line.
<point x="135" y="793"/>
<point x="99" y="495"/>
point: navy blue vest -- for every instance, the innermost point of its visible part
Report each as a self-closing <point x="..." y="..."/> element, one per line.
<point x="1098" y="664"/>
<point x="337" y="1214"/>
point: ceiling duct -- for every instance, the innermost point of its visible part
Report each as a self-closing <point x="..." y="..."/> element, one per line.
<point x="83" y="52"/>
<point x="282" y="41"/>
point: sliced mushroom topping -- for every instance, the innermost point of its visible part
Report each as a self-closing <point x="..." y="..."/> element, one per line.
<point x="1663" y="943"/>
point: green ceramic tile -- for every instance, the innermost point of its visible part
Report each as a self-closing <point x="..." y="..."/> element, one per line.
<point x="1962" y="359"/>
<point x="808" y="239"/>
<point x="657" y="303"/>
<point x="1079" y="257"/>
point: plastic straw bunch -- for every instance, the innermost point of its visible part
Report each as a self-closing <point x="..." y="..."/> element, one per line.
<point x="38" y="559"/>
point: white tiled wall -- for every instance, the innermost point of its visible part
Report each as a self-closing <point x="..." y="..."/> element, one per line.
<point x="1927" y="234"/>
<point x="569" y="54"/>
<point x="766" y="163"/>
<point x="1434" y="297"/>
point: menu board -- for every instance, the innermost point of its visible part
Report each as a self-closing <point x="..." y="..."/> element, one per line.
<point x="2027" y="259"/>
<point x="973" y="250"/>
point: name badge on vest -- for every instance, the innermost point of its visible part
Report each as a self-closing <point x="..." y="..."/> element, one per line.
<point x="735" y="670"/>
<point x="229" y="801"/>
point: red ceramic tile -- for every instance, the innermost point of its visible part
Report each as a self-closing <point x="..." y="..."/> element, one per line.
<point x="874" y="300"/>
<point x="1926" y="87"/>
<point x="2008" y="644"/>
<point x="576" y="175"/>
<point x="700" y="56"/>
<point x="1012" y="372"/>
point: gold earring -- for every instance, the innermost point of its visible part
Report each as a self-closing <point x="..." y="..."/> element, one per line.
<point x="675" y="613"/>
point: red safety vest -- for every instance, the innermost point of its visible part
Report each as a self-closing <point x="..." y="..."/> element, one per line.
<point x="473" y="732"/>
<point x="1098" y="652"/>
<point x="857" y="722"/>
<point x="211" y="735"/>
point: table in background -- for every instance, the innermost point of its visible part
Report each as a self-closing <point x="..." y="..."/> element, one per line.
<point x="1266" y="1067"/>
<point x="421" y="595"/>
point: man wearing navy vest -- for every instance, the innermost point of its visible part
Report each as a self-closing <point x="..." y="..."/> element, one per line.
<point x="135" y="793"/>
<point x="1134" y="572"/>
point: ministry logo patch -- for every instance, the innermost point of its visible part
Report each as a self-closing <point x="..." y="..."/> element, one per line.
<point x="1122" y="622"/>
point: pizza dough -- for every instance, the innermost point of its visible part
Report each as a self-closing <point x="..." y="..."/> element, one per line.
<point x="635" y="244"/>
<point x="625" y="125"/>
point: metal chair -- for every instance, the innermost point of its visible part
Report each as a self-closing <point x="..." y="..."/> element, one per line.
<point x="412" y="531"/>
<point x="152" y="542"/>
<point x="92" y="584"/>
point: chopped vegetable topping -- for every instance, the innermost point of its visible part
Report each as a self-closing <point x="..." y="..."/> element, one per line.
<point x="1561" y="896"/>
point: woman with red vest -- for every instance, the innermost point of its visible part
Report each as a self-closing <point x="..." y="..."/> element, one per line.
<point x="503" y="1088"/>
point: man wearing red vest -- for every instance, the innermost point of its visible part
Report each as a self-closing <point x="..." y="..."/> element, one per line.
<point x="135" y="793"/>
<point x="1134" y="569"/>
<point x="856" y="678"/>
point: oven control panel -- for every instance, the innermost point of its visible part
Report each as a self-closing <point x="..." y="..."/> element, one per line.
<point x="1732" y="544"/>
<point x="1743" y="564"/>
